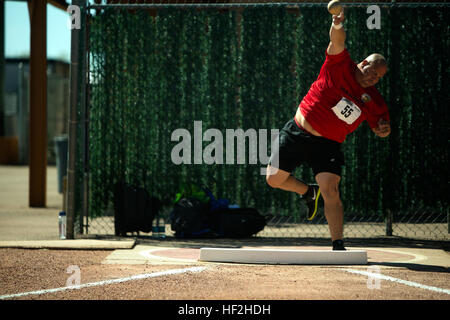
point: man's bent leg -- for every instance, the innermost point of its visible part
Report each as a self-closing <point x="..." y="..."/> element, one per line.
<point x="334" y="211"/>
<point x="277" y="178"/>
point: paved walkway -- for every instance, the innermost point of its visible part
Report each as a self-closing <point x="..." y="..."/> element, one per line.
<point x="25" y="227"/>
<point x="17" y="220"/>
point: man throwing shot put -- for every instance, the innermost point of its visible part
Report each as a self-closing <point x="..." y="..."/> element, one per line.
<point x="341" y="98"/>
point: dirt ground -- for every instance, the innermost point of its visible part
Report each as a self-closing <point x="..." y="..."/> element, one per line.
<point x="25" y="270"/>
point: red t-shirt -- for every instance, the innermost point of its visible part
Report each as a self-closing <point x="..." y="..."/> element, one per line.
<point x="336" y="104"/>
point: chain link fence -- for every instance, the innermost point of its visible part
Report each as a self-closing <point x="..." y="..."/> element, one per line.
<point x="422" y="223"/>
<point x="144" y="68"/>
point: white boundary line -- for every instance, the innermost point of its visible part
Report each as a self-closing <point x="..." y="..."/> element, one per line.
<point x="106" y="282"/>
<point x="408" y="283"/>
<point x="417" y="257"/>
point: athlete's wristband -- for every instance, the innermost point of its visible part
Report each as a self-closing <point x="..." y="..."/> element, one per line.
<point x="337" y="26"/>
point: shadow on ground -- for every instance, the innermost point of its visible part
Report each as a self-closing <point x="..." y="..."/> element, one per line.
<point x="385" y="242"/>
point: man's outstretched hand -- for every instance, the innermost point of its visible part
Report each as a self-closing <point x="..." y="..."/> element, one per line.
<point x="337" y="19"/>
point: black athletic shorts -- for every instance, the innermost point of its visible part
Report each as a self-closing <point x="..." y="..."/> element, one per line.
<point x="297" y="146"/>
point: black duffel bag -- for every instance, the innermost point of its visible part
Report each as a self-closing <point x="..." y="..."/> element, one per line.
<point x="192" y="218"/>
<point x="134" y="209"/>
<point x="238" y="223"/>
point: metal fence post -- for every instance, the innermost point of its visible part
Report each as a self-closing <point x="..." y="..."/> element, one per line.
<point x="85" y="101"/>
<point x="73" y="125"/>
<point x="389" y="222"/>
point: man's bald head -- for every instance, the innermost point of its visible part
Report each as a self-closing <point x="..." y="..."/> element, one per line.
<point x="377" y="58"/>
<point x="371" y="70"/>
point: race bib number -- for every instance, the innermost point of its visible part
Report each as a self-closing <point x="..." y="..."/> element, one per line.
<point x="347" y="111"/>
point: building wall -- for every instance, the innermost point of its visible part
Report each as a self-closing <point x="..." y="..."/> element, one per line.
<point x="16" y="111"/>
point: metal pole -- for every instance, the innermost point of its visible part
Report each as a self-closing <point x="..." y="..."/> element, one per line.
<point x="389" y="222"/>
<point x="85" y="103"/>
<point x="263" y="4"/>
<point x="448" y="221"/>
<point x="72" y="156"/>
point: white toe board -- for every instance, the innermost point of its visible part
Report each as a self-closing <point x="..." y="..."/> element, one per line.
<point x="283" y="256"/>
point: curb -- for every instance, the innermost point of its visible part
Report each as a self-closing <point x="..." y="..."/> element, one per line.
<point x="69" y="244"/>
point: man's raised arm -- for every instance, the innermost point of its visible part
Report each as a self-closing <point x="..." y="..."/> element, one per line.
<point x="337" y="35"/>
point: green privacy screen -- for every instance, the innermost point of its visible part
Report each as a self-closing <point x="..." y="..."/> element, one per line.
<point x="248" y="69"/>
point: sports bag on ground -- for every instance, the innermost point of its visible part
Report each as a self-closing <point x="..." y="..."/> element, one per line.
<point x="134" y="209"/>
<point x="239" y="222"/>
<point x="190" y="218"/>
